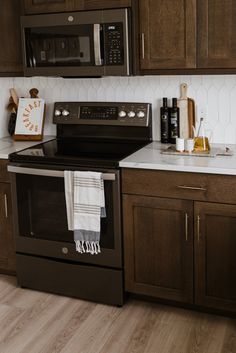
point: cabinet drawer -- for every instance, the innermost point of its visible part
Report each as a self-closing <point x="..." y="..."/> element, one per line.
<point x="4" y="175"/>
<point x="189" y="186"/>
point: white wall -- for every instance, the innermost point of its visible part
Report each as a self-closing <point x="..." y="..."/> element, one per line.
<point x="215" y="95"/>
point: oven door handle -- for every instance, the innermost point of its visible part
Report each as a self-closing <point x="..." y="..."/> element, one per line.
<point x="97" y="44"/>
<point x="50" y="173"/>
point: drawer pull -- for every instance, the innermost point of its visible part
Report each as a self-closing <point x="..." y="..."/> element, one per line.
<point x="186" y="226"/>
<point x="198" y="228"/>
<point x="196" y="188"/>
<point x="6" y="206"/>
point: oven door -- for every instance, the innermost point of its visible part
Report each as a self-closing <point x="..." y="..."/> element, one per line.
<point x="89" y="43"/>
<point x="40" y="220"/>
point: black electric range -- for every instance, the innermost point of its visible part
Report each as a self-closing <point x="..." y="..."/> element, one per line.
<point x="90" y="136"/>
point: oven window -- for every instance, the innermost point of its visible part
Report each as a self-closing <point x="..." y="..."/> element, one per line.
<point x="42" y="210"/>
<point x="59" y="46"/>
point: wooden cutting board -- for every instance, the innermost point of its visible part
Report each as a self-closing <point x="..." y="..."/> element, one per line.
<point x="183" y="111"/>
<point x="191" y="116"/>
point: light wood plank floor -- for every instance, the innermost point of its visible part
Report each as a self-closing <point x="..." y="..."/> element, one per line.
<point x="35" y="322"/>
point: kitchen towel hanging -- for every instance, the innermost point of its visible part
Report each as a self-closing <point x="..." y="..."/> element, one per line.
<point x="85" y="202"/>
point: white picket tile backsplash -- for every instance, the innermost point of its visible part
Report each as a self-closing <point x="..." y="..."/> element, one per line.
<point x="215" y="97"/>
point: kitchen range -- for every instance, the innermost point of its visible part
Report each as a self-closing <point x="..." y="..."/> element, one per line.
<point x="90" y="137"/>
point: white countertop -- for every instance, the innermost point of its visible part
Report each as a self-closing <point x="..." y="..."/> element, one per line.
<point x="150" y="157"/>
<point x="8" y="145"/>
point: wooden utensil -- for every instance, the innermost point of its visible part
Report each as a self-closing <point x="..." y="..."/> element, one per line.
<point x="183" y="111"/>
<point x="14" y="96"/>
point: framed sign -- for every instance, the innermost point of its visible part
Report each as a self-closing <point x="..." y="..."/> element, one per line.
<point x="30" y="119"/>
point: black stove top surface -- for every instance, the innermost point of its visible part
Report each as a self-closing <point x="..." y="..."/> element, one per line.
<point x="79" y="152"/>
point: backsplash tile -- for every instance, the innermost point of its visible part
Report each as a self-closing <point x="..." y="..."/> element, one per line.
<point x="215" y="96"/>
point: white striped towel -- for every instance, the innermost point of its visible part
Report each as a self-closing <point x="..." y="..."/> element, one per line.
<point x="85" y="204"/>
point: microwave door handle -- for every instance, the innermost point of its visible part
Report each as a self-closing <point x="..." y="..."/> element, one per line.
<point x="97" y="44"/>
<point x="50" y="173"/>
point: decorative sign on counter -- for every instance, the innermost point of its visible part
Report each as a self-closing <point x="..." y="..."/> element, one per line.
<point x="30" y="119"/>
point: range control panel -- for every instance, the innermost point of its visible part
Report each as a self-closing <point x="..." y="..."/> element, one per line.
<point x="94" y="113"/>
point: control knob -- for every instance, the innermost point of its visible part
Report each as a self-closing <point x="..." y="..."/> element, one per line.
<point x="65" y="112"/>
<point x="141" y="114"/>
<point x="131" y="114"/>
<point x="122" y="114"/>
<point x="57" y="112"/>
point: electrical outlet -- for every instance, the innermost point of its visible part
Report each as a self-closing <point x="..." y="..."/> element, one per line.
<point x="202" y="112"/>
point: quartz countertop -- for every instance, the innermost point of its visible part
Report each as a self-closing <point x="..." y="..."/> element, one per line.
<point x="150" y="157"/>
<point x="8" y="145"/>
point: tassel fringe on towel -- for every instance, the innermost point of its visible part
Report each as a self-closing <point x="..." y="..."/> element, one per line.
<point x="88" y="247"/>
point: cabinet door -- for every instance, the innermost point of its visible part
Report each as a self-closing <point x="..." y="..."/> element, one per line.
<point x="7" y="252"/>
<point x="158" y="243"/>
<point x="168" y="34"/>
<point x="103" y="4"/>
<point x="217" y="34"/>
<point x="10" y="55"/>
<point x="215" y="259"/>
<point x="48" y="6"/>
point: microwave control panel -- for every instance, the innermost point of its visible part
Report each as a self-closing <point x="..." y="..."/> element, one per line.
<point x="94" y="113"/>
<point x="114" y="46"/>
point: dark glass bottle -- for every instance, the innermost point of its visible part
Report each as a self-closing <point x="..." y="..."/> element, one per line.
<point x="174" y="121"/>
<point x="164" y="122"/>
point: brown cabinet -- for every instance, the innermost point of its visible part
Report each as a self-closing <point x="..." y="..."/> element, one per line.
<point x="50" y="6"/>
<point x="216" y="34"/>
<point x="168" y="31"/>
<point x="215" y="260"/>
<point x="159" y="247"/>
<point x="187" y="35"/>
<point x="163" y="212"/>
<point x="10" y="55"/>
<point x="7" y="251"/>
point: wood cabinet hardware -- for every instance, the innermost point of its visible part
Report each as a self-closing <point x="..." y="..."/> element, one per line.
<point x="6" y="205"/>
<point x="196" y="188"/>
<point x="143" y="45"/>
<point x="186" y="226"/>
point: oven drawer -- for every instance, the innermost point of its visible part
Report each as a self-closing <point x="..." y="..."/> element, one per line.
<point x="75" y="280"/>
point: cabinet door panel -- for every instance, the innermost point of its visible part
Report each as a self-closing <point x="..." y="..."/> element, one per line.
<point x="215" y="260"/>
<point x="7" y="252"/>
<point x="168" y="34"/>
<point x="158" y="247"/>
<point x="49" y="6"/>
<point x="217" y="34"/>
<point x="10" y="55"/>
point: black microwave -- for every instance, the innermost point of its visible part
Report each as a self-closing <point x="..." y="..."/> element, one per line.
<point x="77" y="44"/>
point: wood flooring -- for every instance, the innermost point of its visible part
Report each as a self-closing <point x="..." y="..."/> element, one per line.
<point x="36" y="322"/>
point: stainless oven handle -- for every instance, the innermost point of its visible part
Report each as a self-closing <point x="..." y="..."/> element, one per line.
<point x="97" y="44"/>
<point x="50" y="173"/>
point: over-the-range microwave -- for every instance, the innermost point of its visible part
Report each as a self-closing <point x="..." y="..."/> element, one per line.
<point x="77" y="44"/>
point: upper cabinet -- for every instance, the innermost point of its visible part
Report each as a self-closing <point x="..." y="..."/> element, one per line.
<point x="195" y="35"/>
<point x="52" y="6"/>
<point x="10" y="55"/>
<point x="216" y="34"/>
<point x="48" y="6"/>
<point x="168" y="31"/>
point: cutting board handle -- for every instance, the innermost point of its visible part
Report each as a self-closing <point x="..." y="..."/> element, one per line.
<point x="183" y="91"/>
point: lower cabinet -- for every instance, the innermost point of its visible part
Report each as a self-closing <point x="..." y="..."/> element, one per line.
<point x="215" y="255"/>
<point x="7" y="251"/>
<point x="159" y="247"/>
<point x="176" y="248"/>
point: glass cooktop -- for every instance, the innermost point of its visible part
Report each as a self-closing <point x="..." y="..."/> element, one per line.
<point x="78" y="152"/>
